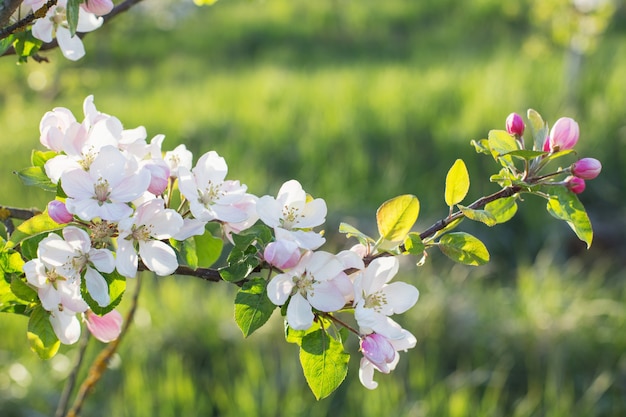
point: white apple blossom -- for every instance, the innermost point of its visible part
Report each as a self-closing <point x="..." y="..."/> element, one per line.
<point x="210" y="196"/>
<point x="66" y="325"/>
<point x="375" y="300"/>
<point x="179" y="157"/>
<point x="292" y="214"/>
<point x="381" y="354"/>
<point x="55" y="24"/>
<point x="105" y="190"/>
<point x="53" y="289"/>
<point x="310" y="284"/>
<point x="151" y="223"/>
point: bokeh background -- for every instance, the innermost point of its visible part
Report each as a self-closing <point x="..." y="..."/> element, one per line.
<point x="360" y="101"/>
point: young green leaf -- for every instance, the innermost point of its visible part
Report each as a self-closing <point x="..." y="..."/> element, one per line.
<point x="351" y="231"/>
<point x="464" y="248"/>
<point x="538" y="128"/>
<point x="39" y="158"/>
<point x="22" y="290"/>
<point x="501" y="143"/>
<point x="502" y="209"/>
<point x="413" y="244"/>
<point x="38" y="224"/>
<point x="208" y="249"/>
<point x="36" y="176"/>
<point x="72" y="15"/>
<point x="482" y="216"/>
<point x="565" y="205"/>
<point x="324" y="362"/>
<point x="43" y="341"/>
<point x="457" y="183"/>
<point x="117" y="287"/>
<point x="396" y="217"/>
<point x="252" y="307"/>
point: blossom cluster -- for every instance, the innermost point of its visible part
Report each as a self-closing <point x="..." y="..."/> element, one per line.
<point x="114" y="190"/>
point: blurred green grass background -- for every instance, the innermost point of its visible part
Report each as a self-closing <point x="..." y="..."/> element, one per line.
<point x="360" y="101"/>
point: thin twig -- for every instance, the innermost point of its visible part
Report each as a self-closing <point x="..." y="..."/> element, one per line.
<point x="99" y="365"/>
<point x="71" y="380"/>
<point x="20" y="25"/>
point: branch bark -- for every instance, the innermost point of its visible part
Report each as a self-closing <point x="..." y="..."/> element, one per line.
<point x="7" y="8"/>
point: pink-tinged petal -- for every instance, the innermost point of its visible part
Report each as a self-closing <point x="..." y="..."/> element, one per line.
<point x="105" y="328"/>
<point x="229" y="214"/>
<point x="66" y="326"/>
<point x="313" y="214"/>
<point x="400" y="297"/>
<point x="345" y="286"/>
<point x="159" y="257"/>
<point x="377" y="349"/>
<point x="282" y="254"/>
<point x="564" y="134"/>
<point x="71" y="46"/>
<point x="110" y="164"/>
<point x="126" y="260"/>
<point x="326" y="297"/>
<point x="97" y="287"/>
<point x="576" y="185"/>
<point x="515" y="124"/>
<point x="54" y="251"/>
<point x="97" y="7"/>
<point x="279" y="288"/>
<point x="366" y="374"/>
<point x="587" y="168"/>
<point x="58" y="212"/>
<point x="299" y="313"/>
<point x="88" y="22"/>
<point x="269" y="211"/>
<point x="159" y="176"/>
<point x="179" y="157"/>
<point x="42" y="29"/>
<point x="60" y="164"/>
<point x="324" y="266"/>
<point x="102" y="259"/>
<point x="378" y="273"/>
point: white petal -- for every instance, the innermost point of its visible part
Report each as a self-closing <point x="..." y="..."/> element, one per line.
<point x="279" y="288"/>
<point x="269" y="211"/>
<point x="366" y="374"/>
<point x="379" y="272"/>
<point x="113" y="211"/>
<point x="306" y="240"/>
<point x="159" y="257"/>
<point x="77" y="184"/>
<point x="97" y="287"/>
<point x="291" y="193"/>
<point x="77" y="238"/>
<point x="324" y="266"/>
<point x="314" y="214"/>
<point x="187" y="184"/>
<point x="191" y="227"/>
<point x="127" y="259"/>
<point x="400" y="297"/>
<point x="87" y="22"/>
<point x="66" y="326"/>
<point x="210" y="168"/>
<point x="102" y="259"/>
<point x="299" y="313"/>
<point x="71" y="46"/>
<point x="326" y="297"/>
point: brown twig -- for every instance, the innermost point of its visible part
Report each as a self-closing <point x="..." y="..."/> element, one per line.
<point x="71" y="380"/>
<point x="21" y="24"/>
<point x="99" y="365"/>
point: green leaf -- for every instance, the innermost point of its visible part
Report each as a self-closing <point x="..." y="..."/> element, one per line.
<point x="464" y="248"/>
<point x="396" y="217"/>
<point x="6" y="44"/>
<point x="241" y="263"/>
<point x="413" y="244"/>
<point x="72" y="15"/>
<point x="538" y="128"/>
<point x="36" y="225"/>
<point x="295" y="336"/>
<point x="26" y="45"/>
<point x="208" y="249"/>
<point x="39" y="158"/>
<point x="9" y="303"/>
<point x="457" y="183"/>
<point x="482" y="216"/>
<point x="117" y="287"/>
<point x="481" y="146"/>
<point x="504" y="178"/>
<point x="23" y="291"/>
<point x="502" y="209"/>
<point x="36" y="176"/>
<point x="29" y="246"/>
<point x="351" y="231"/>
<point x="252" y="307"/>
<point x="526" y="154"/>
<point x="324" y="362"/>
<point x="565" y="205"/>
<point x="258" y="233"/>
<point x="11" y="262"/>
<point x="43" y="341"/>
<point x="501" y="143"/>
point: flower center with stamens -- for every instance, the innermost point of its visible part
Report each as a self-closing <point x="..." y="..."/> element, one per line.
<point x="102" y="191"/>
<point x="304" y="284"/>
<point x="375" y="301"/>
<point x="290" y="217"/>
<point x="211" y="193"/>
<point x="142" y="232"/>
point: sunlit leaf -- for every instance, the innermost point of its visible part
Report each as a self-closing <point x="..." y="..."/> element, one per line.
<point x="464" y="248"/>
<point x="501" y="143"/>
<point x="457" y="183"/>
<point x="351" y="231"/>
<point x="72" y="15"/>
<point x="502" y="209"/>
<point x="526" y="154"/>
<point x="208" y="249"/>
<point x="39" y="158"/>
<point x="43" y="341"/>
<point x="117" y="287"/>
<point x="481" y="146"/>
<point x="38" y="224"/>
<point x="36" y="176"/>
<point x="252" y="306"/>
<point x="413" y="244"/>
<point x="396" y="217"/>
<point x="565" y="205"/>
<point x="538" y="128"/>
<point x="482" y="216"/>
<point x="324" y="362"/>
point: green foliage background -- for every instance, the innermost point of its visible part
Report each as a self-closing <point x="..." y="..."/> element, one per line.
<point x="360" y="101"/>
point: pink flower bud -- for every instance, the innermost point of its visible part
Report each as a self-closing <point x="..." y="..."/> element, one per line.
<point x="159" y="176"/>
<point x="587" y="168"/>
<point x="563" y="135"/>
<point x="515" y="124"/>
<point x="377" y="349"/>
<point x="283" y="254"/>
<point x="97" y="7"/>
<point x="58" y="212"/>
<point x="105" y="328"/>
<point x="576" y="185"/>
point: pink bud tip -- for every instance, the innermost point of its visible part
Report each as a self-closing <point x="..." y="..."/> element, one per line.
<point x="379" y="351"/>
<point x="282" y="254"/>
<point x="587" y="168"/>
<point x="563" y="135"/>
<point x="97" y="7"/>
<point x="576" y="185"/>
<point x="58" y="212"/>
<point x="515" y="124"/>
<point x="105" y="328"/>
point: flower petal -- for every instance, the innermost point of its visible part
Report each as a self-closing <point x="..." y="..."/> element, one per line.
<point x="279" y="288"/>
<point x="299" y="313"/>
<point x="158" y="256"/>
<point x="97" y="287"/>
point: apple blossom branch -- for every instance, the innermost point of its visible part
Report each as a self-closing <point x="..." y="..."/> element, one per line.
<point x="21" y="24"/>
